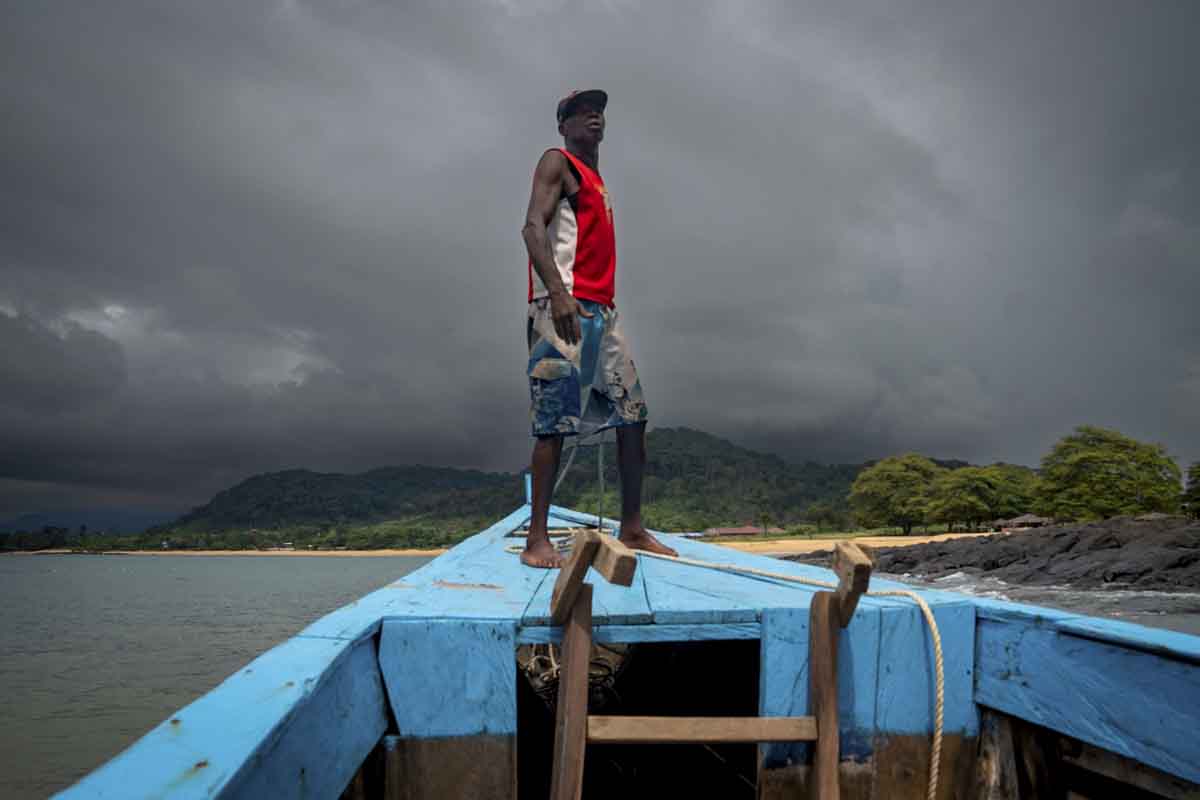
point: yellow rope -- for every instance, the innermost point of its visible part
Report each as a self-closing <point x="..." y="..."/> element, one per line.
<point x="939" y="704"/>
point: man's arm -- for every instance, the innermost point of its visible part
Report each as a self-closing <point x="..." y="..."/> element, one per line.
<point x="547" y="191"/>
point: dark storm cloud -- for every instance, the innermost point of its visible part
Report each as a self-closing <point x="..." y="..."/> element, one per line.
<point x="240" y="237"/>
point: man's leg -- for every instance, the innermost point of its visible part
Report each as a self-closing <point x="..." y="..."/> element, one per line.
<point x="538" y="550"/>
<point x="631" y="461"/>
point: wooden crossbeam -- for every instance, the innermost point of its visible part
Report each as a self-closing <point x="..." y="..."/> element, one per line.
<point x="666" y="730"/>
<point x="853" y="569"/>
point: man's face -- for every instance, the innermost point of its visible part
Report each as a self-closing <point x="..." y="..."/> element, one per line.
<point x="586" y="123"/>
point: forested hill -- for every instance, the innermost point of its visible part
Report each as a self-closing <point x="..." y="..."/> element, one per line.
<point x="693" y="481"/>
<point x="300" y="497"/>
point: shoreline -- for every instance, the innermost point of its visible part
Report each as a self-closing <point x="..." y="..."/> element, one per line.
<point x="392" y="551"/>
<point x="772" y="547"/>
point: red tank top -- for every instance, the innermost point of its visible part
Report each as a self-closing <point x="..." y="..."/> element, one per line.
<point x="582" y="240"/>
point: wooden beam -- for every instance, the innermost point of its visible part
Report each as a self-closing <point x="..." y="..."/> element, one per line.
<point x="570" y="724"/>
<point x="1126" y="770"/>
<point x="824" y="626"/>
<point x="570" y="577"/>
<point x="853" y="569"/>
<point x="667" y="730"/>
<point x="616" y="562"/>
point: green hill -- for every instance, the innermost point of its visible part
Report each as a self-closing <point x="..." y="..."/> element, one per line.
<point x="693" y="481"/>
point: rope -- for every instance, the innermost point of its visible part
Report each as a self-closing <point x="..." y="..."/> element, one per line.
<point x="939" y="704"/>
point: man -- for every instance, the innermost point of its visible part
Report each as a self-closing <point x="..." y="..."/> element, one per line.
<point x="581" y="375"/>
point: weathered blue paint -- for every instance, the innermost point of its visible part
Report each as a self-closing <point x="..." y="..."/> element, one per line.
<point x="296" y="722"/>
<point x="1178" y="646"/>
<point x="629" y="634"/>
<point x="886" y="674"/>
<point x="906" y="682"/>
<point x="611" y="604"/>
<point x="450" y="677"/>
<point x="1133" y="702"/>
<point x="783" y="679"/>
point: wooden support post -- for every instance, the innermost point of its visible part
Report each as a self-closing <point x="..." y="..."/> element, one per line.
<point x="824" y="628"/>
<point x="570" y="577"/>
<point x="853" y="569"/>
<point x="570" y="725"/>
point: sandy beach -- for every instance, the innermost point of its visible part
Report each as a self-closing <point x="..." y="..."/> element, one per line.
<point x="437" y="551"/>
<point x="771" y="547"/>
<point x="790" y="547"/>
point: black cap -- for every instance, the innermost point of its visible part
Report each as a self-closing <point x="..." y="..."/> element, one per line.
<point x="596" y="97"/>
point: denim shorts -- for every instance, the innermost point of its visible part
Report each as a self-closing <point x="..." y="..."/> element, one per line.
<point x="585" y="387"/>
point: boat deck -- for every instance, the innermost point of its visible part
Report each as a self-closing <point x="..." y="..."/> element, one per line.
<point x="430" y="658"/>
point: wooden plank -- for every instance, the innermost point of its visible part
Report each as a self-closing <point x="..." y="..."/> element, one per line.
<point x="612" y="605"/>
<point x="480" y="558"/>
<point x="394" y="779"/>
<point x="1137" y="704"/>
<point x="456" y="768"/>
<point x="996" y="767"/>
<point x="450" y="677"/>
<point x="1126" y="770"/>
<point x="570" y="577"/>
<point x="1178" y="646"/>
<point x="570" y="724"/>
<point x="666" y="730"/>
<point x="853" y="569"/>
<point x="907" y="677"/>
<point x="297" y="722"/>
<point x="627" y="634"/>
<point x="824" y="622"/>
<point x="784" y="679"/>
<point x="616" y="562"/>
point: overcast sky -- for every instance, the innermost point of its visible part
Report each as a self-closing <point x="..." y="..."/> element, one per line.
<point x="246" y="236"/>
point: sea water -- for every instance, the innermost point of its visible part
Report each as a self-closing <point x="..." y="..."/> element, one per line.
<point x="96" y="650"/>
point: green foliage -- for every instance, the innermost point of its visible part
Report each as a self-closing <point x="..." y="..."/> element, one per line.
<point x="975" y="495"/>
<point x="1016" y="489"/>
<point x="895" y="491"/>
<point x="965" y="495"/>
<point x="695" y="481"/>
<point x="1191" y="497"/>
<point x="1095" y="473"/>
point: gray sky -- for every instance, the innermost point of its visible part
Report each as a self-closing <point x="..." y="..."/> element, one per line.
<point x="246" y="236"/>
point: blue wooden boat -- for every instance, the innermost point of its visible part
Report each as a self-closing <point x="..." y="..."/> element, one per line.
<point x="414" y="691"/>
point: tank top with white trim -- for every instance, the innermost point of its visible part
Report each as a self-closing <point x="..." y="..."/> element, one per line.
<point x="582" y="240"/>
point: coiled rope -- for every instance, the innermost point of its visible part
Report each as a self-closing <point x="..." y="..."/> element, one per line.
<point x="939" y="703"/>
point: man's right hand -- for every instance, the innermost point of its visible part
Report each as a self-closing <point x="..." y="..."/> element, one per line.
<point x="565" y="310"/>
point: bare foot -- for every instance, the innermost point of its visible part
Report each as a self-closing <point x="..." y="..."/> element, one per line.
<point x="639" y="539"/>
<point x="540" y="553"/>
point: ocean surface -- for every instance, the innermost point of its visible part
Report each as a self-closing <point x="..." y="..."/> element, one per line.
<point x="96" y="650"/>
<point x="1177" y="611"/>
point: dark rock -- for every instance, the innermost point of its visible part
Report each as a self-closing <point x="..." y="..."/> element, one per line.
<point x="1161" y="553"/>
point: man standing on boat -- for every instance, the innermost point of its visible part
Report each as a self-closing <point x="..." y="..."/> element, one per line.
<point x="581" y="376"/>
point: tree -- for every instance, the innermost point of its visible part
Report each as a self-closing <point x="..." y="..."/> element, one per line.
<point x="894" y="491"/>
<point x="1191" y="497"/>
<point x="1096" y="473"/>
<point x="1016" y="489"/>
<point x="969" y="494"/>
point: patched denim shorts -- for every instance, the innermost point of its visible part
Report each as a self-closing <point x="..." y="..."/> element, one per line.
<point x="585" y="387"/>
